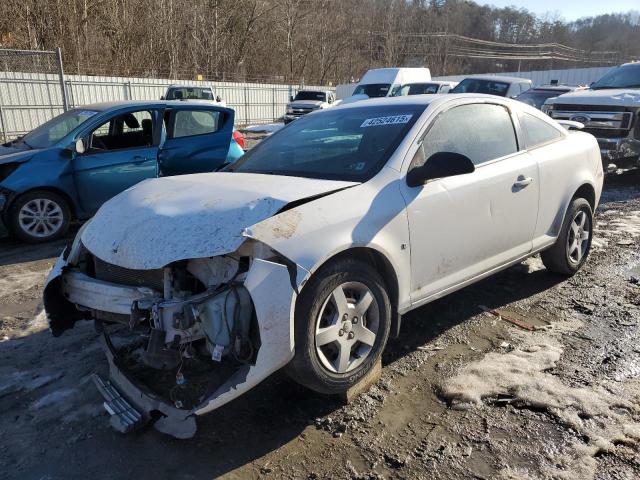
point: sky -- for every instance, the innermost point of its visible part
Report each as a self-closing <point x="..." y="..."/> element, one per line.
<point x="569" y="9"/>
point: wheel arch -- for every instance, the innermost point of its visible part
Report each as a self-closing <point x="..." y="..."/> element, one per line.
<point x="382" y="264"/>
<point x="587" y="192"/>
<point x="58" y="191"/>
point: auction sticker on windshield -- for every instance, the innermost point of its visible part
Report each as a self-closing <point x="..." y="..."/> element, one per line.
<point x="391" y="120"/>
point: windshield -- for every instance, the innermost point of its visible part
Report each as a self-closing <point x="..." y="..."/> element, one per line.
<point x="373" y="90"/>
<point x="477" y="85"/>
<point x="51" y="132"/>
<point x="416" y="89"/>
<point x="310" y="96"/>
<point x="536" y="98"/>
<point x="189" y="93"/>
<point x="624" y="76"/>
<point x="340" y="144"/>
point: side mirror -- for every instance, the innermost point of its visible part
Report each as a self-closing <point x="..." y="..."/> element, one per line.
<point x="218" y="98"/>
<point x="162" y="97"/>
<point x="440" y="165"/>
<point x="291" y="98"/>
<point x="79" y="146"/>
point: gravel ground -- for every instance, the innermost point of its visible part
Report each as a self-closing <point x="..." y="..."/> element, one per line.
<point x="463" y="393"/>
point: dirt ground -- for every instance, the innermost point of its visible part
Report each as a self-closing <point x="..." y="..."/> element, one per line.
<point x="463" y="394"/>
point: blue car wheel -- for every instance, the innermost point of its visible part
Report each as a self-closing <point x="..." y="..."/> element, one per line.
<point x="39" y="216"/>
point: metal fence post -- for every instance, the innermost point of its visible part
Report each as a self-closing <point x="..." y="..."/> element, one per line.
<point x="65" y="102"/>
<point x="128" y="90"/>
<point x="69" y="84"/>
<point x="273" y="104"/>
<point x="246" y="106"/>
<point x="2" y="125"/>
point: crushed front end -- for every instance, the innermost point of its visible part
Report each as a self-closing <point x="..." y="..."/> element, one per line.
<point x="181" y="340"/>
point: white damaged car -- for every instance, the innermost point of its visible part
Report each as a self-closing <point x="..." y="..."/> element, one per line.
<point x="305" y="253"/>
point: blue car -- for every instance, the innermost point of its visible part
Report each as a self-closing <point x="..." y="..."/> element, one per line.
<point x="67" y="168"/>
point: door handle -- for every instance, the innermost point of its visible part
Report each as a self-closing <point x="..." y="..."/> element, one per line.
<point x="139" y="158"/>
<point x="522" y="181"/>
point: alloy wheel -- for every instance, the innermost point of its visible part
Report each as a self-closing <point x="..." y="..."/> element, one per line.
<point x="41" y="217"/>
<point x="578" y="237"/>
<point x="346" y="327"/>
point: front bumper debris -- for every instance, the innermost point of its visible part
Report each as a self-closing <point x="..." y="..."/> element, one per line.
<point x="124" y="418"/>
<point x="70" y="295"/>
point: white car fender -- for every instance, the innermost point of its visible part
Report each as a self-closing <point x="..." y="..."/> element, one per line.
<point x="314" y="232"/>
<point x="274" y="301"/>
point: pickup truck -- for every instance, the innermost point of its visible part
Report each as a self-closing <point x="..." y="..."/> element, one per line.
<point x="307" y="101"/>
<point x="195" y="93"/>
<point x="609" y="110"/>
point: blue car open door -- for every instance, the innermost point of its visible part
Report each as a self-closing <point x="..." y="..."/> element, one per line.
<point x="197" y="139"/>
<point x="119" y="153"/>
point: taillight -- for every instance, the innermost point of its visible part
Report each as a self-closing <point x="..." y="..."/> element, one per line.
<point x="239" y="138"/>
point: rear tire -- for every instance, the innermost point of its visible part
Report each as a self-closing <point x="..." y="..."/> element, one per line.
<point x="342" y="323"/>
<point x="39" y="216"/>
<point x="572" y="247"/>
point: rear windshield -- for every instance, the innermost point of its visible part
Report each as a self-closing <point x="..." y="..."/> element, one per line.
<point x="310" y="96"/>
<point x="189" y="93"/>
<point x="476" y="85"/>
<point x="337" y="144"/>
<point x="373" y="90"/>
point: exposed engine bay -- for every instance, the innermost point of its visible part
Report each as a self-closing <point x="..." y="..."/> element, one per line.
<point x="181" y="335"/>
<point x="203" y="318"/>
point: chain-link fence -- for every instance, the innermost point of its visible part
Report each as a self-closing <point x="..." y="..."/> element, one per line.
<point x="24" y="96"/>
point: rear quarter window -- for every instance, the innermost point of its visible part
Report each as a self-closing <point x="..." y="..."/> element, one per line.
<point x="537" y="132"/>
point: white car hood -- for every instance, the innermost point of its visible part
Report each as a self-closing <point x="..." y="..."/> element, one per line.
<point x="618" y="97"/>
<point x="163" y="220"/>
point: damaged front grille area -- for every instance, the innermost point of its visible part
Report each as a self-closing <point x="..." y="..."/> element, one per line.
<point x="181" y="331"/>
<point x="124" y="276"/>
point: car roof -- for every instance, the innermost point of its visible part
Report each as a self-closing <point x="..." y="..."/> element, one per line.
<point x="553" y="88"/>
<point x="104" y="106"/>
<point x="431" y="82"/>
<point x="187" y="85"/>
<point x="499" y="78"/>
<point x="426" y="100"/>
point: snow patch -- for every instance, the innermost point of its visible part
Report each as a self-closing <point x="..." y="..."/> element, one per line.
<point x="599" y="413"/>
<point x="267" y="128"/>
<point x="52" y="398"/>
<point x="16" y="282"/>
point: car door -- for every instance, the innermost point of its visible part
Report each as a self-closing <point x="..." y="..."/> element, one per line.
<point x="464" y="226"/>
<point x="119" y="153"/>
<point x="197" y="139"/>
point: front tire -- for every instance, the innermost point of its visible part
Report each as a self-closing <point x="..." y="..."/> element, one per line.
<point x="573" y="245"/>
<point x="342" y="323"/>
<point x="39" y="216"/>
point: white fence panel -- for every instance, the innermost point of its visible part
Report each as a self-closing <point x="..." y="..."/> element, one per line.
<point x="28" y="100"/>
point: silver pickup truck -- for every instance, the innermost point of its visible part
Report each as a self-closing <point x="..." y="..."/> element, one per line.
<point x="307" y="101"/>
<point x="609" y="110"/>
